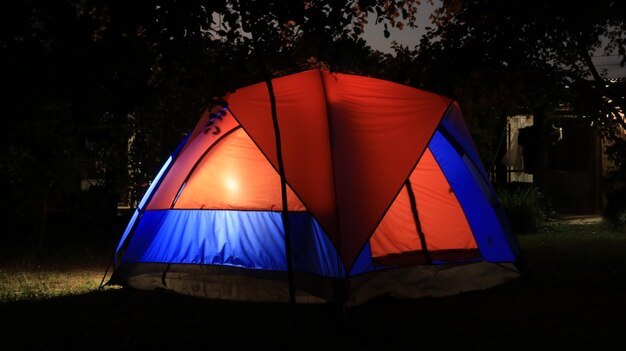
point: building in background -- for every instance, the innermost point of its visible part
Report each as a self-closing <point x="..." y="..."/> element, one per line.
<point x="564" y="155"/>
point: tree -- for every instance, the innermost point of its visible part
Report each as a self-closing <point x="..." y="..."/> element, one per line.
<point x="102" y="81"/>
<point x="44" y="100"/>
<point x="79" y="80"/>
<point x="519" y="57"/>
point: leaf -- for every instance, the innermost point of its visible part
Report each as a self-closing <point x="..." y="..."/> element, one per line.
<point x="231" y="36"/>
<point x="386" y="33"/>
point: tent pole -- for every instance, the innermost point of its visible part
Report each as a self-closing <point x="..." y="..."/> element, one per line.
<point x="418" y="225"/>
<point x="283" y="179"/>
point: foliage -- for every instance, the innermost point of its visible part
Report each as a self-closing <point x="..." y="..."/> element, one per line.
<point x="615" y="211"/>
<point x="615" y="149"/>
<point x="518" y="57"/>
<point x="526" y="207"/>
<point x="64" y="119"/>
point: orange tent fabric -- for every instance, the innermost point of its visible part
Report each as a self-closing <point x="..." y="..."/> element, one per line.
<point x="348" y="195"/>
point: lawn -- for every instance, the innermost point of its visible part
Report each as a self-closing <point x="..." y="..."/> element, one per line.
<point x="573" y="294"/>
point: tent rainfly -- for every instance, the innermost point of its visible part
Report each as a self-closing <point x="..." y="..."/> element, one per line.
<point x="386" y="195"/>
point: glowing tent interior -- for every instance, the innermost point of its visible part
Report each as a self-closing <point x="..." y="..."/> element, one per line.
<point x="386" y="194"/>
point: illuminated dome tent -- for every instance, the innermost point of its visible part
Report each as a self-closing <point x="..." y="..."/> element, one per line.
<point x="386" y="194"/>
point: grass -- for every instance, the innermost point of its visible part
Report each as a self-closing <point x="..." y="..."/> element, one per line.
<point x="45" y="284"/>
<point x="572" y="295"/>
<point x="57" y="272"/>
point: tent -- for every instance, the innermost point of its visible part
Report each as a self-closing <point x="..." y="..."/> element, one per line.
<point x="386" y="195"/>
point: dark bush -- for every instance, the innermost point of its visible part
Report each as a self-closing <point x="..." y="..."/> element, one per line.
<point x="615" y="210"/>
<point x="525" y="206"/>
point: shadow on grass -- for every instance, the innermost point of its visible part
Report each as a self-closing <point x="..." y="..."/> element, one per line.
<point x="574" y="294"/>
<point x="516" y="315"/>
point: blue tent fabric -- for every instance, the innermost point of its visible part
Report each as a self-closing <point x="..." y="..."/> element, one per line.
<point x="250" y="239"/>
<point x="452" y="123"/>
<point x="144" y="200"/>
<point x="480" y="214"/>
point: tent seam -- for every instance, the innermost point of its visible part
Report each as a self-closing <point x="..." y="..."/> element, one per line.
<point x="193" y="169"/>
<point x="343" y="273"/>
<point x="402" y="185"/>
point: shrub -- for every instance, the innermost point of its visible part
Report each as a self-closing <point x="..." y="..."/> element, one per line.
<point x="615" y="210"/>
<point x="525" y="206"/>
